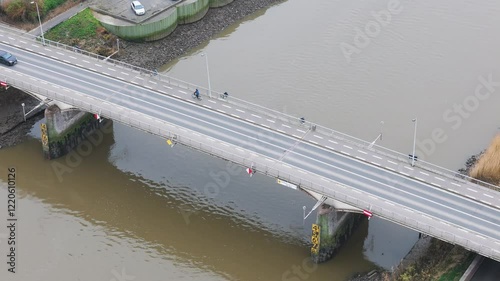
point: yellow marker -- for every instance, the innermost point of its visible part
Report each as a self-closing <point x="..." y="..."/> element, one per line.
<point x="169" y="142"/>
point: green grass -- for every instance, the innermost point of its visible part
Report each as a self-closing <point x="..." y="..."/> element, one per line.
<point x="456" y="272"/>
<point x="81" y="26"/>
<point x="51" y="4"/>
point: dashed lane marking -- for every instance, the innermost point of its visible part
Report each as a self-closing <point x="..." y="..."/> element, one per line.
<point x="375" y="156"/>
<point x="424" y="173"/>
<point x="439" y="179"/>
<point x="473" y="190"/>
<point x="455" y="184"/>
<point x="234" y="115"/>
<point x="392" y="162"/>
<point x="487" y="195"/>
<point x="257" y="116"/>
<point x="240" y="110"/>
<point x="285" y="126"/>
<point x="272" y="121"/>
<point x="333" y="142"/>
<point x="224" y="105"/>
<point x="347" y="146"/>
<point x="361" y="151"/>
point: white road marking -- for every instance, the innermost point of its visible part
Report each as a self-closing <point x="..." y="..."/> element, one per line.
<point x="435" y="184"/>
<point x="250" y="120"/>
<point x="360" y="158"/>
<point x="86" y="61"/>
<point x="34" y="45"/>
<point x="473" y="190"/>
<point x="163" y="92"/>
<point x="299" y="137"/>
<point x="480" y="237"/>
<point x="105" y="73"/>
<point x="345" y="152"/>
<point x="455" y="184"/>
<point x="152" y="82"/>
<point x="424" y="173"/>
<point x="302" y="172"/>
<point x="256" y="116"/>
<point x="98" y="65"/>
<point x="119" y="77"/>
<point x="408" y="168"/>
<point x="124" y="73"/>
<point x="59" y="53"/>
<point x="392" y="162"/>
<point x="224" y="105"/>
<point x="487" y="195"/>
<point x="167" y="87"/>
<point x="362" y="151"/>
<point x="221" y="111"/>
<point x="234" y="115"/>
<point x="333" y="142"/>
<point x="281" y="131"/>
<point x="404" y="174"/>
<point x="314" y="142"/>
<point x="182" y="92"/>
<point x="486" y="202"/>
<point x="439" y="179"/>
<point x="420" y="179"/>
<point x="285" y="126"/>
<point x="264" y="125"/>
<point x="376" y="163"/>
<point x="272" y="121"/>
<point x="375" y="156"/>
<point x="66" y="61"/>
<point x="240" y="110"/>
<point x="23" y="42"/>
<point x="206" y="106"/>
<point x="211" y="101"/>
<point x="464" y="230"/>
<point x="140" y="78"/>
<point x="96" y="71"/>
<point x="302" y="131"/>
<point x="72" y="57"/>
<point x="471" y="197"/>
<point x="347" y="146"/>
<point x="329" y="147"/>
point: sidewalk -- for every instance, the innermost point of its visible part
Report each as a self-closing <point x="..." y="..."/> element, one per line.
<point x="60" y="18"/>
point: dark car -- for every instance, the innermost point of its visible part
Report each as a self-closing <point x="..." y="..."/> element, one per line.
<point x="7" y="58"/>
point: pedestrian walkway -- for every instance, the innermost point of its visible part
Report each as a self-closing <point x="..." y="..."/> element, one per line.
<point x="60" y="18"/>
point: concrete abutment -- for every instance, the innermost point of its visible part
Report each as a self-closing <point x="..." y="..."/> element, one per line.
<point x="331" y="231"/>
<point x="64" y="130"/>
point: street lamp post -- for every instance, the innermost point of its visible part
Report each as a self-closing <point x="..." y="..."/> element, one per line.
<point x="208" y="74"/>
<point x="414" y="142"/>
<point x="39" y="20"/>
<point x="24" y="112"/>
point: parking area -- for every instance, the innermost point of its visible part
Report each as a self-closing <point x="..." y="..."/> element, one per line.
<point x="121" y="9"/>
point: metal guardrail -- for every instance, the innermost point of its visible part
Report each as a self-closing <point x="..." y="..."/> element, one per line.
<point x="362" y="144"/>
<point x="261" y="166"/>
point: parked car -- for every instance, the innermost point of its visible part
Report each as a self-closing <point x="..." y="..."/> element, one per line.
<point x="138" y="8"/>
<point x="7" y="58"/>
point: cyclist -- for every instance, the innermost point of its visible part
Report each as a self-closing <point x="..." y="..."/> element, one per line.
<point x="197" y="94"/>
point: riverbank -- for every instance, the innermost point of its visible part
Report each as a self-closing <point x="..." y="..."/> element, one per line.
<point x="13" y="129"/>
<point x="153" y="55"/>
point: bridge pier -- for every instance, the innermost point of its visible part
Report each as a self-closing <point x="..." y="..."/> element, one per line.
<point x="64" y="130"/>
<point x="331" y="231"/>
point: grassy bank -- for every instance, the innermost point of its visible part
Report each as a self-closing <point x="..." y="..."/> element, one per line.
<point x="487" y="167"/>
<point x="85" y="31"/>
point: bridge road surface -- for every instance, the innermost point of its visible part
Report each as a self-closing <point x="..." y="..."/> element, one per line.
<point x="454" y="213"/>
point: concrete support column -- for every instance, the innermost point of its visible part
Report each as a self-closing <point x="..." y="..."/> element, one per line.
<point x="64" y="130"/>
<point x="331" y="231"/>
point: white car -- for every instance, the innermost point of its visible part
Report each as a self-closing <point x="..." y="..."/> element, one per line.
<point x="138" y="8"/>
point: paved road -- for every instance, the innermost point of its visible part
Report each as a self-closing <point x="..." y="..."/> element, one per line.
<point x="294" y="150"/>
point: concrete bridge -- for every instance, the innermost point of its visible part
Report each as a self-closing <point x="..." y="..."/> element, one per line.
<point x="337" y="169"/>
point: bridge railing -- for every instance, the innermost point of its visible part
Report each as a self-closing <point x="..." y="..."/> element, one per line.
<point x="334" y="189"/>
<point x="293" y="120"/>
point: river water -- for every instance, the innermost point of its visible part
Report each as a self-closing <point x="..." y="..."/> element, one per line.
<point x="129" y="207"/>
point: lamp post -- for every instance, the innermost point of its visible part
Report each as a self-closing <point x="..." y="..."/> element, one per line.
<point x="24" y="112"/>
<point x="39" y="20"/>
<point x="414" y="142"/>
<point x="208" y="74"/>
